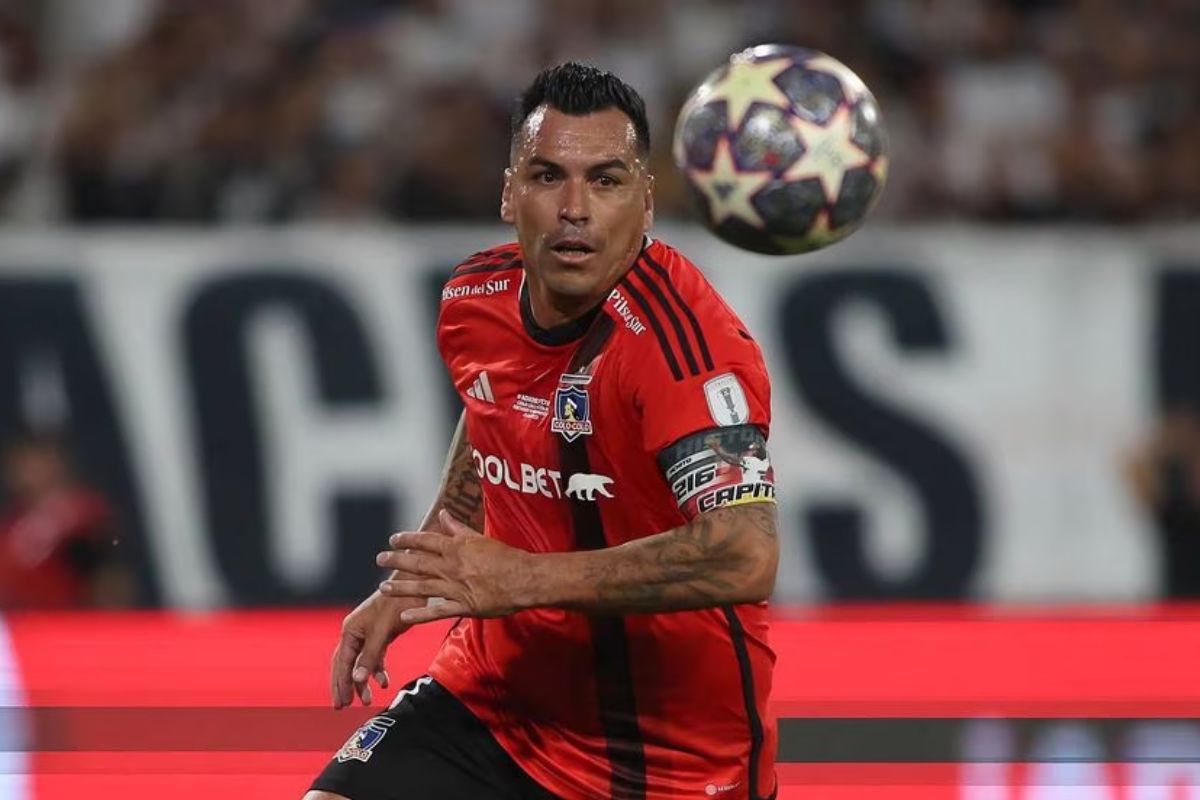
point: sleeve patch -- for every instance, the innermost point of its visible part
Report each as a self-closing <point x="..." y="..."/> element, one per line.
<point x="726" y="400"/>
<point x="719" y="467"/>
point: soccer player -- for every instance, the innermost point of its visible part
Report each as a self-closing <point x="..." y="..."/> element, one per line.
<point x="609" y="574"/>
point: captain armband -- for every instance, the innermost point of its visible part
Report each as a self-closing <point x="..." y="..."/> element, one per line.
<point x="717" y="468"/>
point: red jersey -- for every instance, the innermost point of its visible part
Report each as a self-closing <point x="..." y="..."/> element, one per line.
<point x="567" y="428"/>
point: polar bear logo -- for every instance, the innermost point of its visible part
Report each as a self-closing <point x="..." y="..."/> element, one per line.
<point x="584" y="485"/>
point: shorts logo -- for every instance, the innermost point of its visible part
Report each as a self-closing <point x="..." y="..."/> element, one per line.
<point x="363" y="742"/>
<point x="572" y="407"/>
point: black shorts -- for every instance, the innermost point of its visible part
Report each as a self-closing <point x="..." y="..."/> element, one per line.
<point x="427" y="746"/>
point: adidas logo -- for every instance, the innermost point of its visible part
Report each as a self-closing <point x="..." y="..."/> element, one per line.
<point x="481" y="389"/>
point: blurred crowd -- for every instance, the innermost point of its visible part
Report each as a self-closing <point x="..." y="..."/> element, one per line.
<point x="59" y="536"/>
<point x="213" y="111"/>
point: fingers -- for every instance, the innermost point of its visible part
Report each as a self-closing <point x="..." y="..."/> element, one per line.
<point x="411" y="562"/>
<point x="340" y="678"/>
<point x="421" y="587"/>
<point x="370" y="665"/>
<point x="363" y="690"/>
<point x="356" y="660"/>
<point x="420" y="541"/>
<point x="445" y="610"/>
<point x="451" y="525"/>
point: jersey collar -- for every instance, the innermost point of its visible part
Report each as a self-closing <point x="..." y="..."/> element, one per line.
<point x="568" y="331"/>
<point x="559" y="334"/>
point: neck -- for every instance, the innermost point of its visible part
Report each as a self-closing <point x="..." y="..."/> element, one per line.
<point x="551" y="310"/>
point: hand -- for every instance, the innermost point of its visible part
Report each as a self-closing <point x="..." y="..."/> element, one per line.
<point x="470" y="574"/>
<point x="366" y="633"/>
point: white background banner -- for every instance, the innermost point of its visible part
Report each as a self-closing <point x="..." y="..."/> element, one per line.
<point x="951" y="406"/>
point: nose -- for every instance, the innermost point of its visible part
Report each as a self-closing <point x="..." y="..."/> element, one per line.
<point x="573" y="206"/>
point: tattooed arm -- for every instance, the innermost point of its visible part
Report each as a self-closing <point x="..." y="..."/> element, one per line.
<point x="460" y="492"/>
<point x="724" y="556"/>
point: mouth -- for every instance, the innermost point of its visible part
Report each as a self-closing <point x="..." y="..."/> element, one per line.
<point x="571" y="250"/>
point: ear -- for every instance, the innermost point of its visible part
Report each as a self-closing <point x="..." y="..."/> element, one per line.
<point x="648" y="218"/>
<point x="506" y="209"/>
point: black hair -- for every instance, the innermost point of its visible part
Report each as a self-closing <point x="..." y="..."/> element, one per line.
<point x="579" y="89"/>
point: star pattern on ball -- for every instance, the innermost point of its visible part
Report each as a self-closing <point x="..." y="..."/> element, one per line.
<point x="729" y="190"/>
<point x="818" y="236"/>
<point x="747" y="82"/>
<point x="829" y="153"/>
<point x="851" y="83"/>
<point x="880" y="170"/>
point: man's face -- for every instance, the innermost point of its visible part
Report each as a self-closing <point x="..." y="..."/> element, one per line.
<point x="580" y="197"/>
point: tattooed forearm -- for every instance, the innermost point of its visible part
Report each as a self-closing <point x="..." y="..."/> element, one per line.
<point x="460" y="493"/>
<point x="724" y="556"/>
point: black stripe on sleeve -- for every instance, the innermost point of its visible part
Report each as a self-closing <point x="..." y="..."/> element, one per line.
<point x="493" y="256"/>
<point x="512" y="263"/>
<point x="615" y="698"/>
<point x="738" y="636"/>
<point x="656" y="326"/>
<point x="687" y="310"/>
<point x="672" y="317"/>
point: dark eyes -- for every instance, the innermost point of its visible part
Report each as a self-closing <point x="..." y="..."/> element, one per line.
<point x="548" y="177"/>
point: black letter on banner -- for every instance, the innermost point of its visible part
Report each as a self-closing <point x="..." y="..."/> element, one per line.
<point x="230" y="443"/>
<point x="45" y="318"/>
<point x="1179" y="337"/>
<point x="1178" y="367"/>
<point x="939" y="474"/>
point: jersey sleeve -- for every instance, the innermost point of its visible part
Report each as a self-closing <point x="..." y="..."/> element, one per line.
<point x="674" y="400"/>
<point x="707" y="427"/>
<point x="481" y="277"/>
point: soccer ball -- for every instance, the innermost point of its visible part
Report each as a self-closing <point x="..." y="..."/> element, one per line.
<point x="783" y="149"/>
